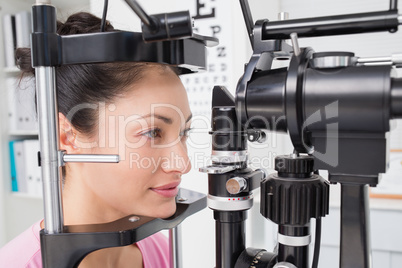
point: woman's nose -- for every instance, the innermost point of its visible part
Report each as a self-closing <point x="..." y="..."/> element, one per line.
<point x="177" y="160"/>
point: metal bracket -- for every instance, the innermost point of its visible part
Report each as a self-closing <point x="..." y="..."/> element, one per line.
<point x="67" y="249"/>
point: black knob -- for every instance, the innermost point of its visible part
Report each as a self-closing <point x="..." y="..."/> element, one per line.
<point x="294" y="195"/>
<point x="294" y="165"/>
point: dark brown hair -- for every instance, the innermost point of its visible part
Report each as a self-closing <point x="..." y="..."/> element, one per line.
<point x="87" y="83"/>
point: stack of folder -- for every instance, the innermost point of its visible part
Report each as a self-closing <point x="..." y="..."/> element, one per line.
<point x="25" y="171"/>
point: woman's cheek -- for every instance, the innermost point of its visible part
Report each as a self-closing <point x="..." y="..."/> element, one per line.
<point x="134" y="141"/>
<point x="143" y="160"/>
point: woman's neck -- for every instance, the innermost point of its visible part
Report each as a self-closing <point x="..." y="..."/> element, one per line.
<point x="122" y="257"/>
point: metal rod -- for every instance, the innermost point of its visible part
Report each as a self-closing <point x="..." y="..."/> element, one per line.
<point x="91" y="158"/>
<point x="145" y="18"/>
<point x="248" y="19"/>
<point x="393" y="5"/>
<point x="378" y="63"/>
<point x="295" y="44"/>
<point x="395" y="59"/>
<point x="175" y="247"/>
<point x="283" y="16"/>
<point x="400" y="19"/>
<point x="374" y="59"/>
<point x="333" y="25"/>
<point x="49" y="147"/>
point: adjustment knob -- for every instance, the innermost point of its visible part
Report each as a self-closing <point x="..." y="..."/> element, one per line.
<point x="236" y="185"/>
<point x="294" y="195"/>
<point x="293" y="164"/>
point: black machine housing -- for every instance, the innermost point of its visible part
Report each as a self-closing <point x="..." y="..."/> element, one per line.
<point x="337" y="111"/>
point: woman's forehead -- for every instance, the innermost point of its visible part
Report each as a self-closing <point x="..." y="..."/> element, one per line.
<point x="163" y="94"/>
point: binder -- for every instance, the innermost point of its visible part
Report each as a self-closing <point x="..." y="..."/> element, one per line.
<point x="32" y="170"/>
<point x="9" y="40"/>
<point x="19" y="157"/>
<point x="21" y="93"/>
<point x="21" y="104"/>
<point x="14" y="184"/>
<point x="25" y="106"/>
<point x="12" y="104"/>
<point x="23" y="28"/>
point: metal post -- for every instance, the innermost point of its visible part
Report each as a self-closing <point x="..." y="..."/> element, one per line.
<point x="393" y="5"/>
<point x="49" y="147"/>
<point x="175" y="247"/>
<point x="145" y="18"/>
<point x="248" y="19"/>
<point x="355" y="226"/>
<point x="230" y="237"/>
<point x="293" y="244"/>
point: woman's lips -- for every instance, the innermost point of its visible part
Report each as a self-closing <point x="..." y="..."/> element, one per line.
<point x="167" y="190"/>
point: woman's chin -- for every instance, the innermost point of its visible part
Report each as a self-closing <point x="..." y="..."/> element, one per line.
<point x="165" y="212"/>
<point x="162" y="211"/>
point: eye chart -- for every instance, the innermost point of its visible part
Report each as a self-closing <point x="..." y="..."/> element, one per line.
<point x="212" y="18"/>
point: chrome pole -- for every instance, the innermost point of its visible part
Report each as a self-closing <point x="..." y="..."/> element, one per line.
<point x="145" y="18"/>
<point x="49" y="147"/>
<point x="175" y="247"/>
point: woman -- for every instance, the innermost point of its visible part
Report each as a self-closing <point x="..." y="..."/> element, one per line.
<point x="139" y="111"/>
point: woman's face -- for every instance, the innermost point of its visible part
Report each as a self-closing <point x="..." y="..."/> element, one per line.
<point x="147" y="128"/>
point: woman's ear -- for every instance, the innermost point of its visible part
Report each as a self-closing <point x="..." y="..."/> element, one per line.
<point x="67" y="135"/>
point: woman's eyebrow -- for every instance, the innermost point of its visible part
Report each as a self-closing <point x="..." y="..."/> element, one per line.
<point x="165" y="119"/>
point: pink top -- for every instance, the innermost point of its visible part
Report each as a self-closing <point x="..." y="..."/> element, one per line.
<point x="24" y="250"/>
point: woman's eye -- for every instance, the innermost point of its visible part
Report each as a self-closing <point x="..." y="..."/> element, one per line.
<point x="185" y="133"/>
<point x="153" y="133"/>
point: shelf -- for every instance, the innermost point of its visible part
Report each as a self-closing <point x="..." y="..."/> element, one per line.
<point x="12" y="70"/>
<point x="24" y="133"/>
<point x="25" y="195"/>
<point x="18" y="209"/>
